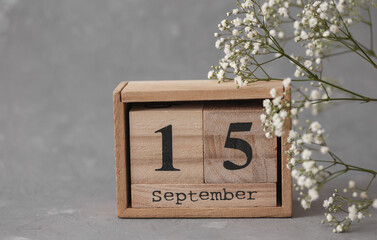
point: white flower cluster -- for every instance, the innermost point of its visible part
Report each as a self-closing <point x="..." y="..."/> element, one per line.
<point x="308" y="177"/>
<point x="253" y="37"/>
<point x="243" y="37"/>
<point x="320" y="24"/>
<point x="276" y="112"/>
<point x="307" y="173"/>
<point x="357" y="209"/>
<point x="303" y="142"/>
<point x="275" y="11"/>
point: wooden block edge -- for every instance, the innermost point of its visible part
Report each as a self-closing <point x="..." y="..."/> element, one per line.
<point x="286" y="181"/>
<point x="183" y="93"/>
<point x="244" y="212"/>
<point x="120" y="148"/>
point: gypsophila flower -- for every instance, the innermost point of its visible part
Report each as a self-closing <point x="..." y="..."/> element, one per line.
<point x="352" y="213"/>
<point x="363" y="195"/>
<point x="292" y="135"/>
<point x="315" y="126"/>
<point x="281" y="35"/>
<point x="263" y="118"/>
<point x="283" y="11"/>
<point x="339" y="228"/>
<point x="235" y="32"/>
<point x="313" y="193"/>
<point x="306" y="154"/>
<point x="273" y="92"/>
<point x="307" y="138"/>
<point x="328" y="202"/>
<point x="308" y="184"/>
<point x="375" y="203"/>
<point x="237" y="22"/>
<point x="323" y="6"/>
<point x="324" y="150"/>
<point x="220" y="75"/>
<point x="273" y="32"/>
<point x="286" y="82"/>
<point x="309" y="52"/>
<point x="252" y="39"/>
<point x="334" y="29"/>
<point x="268" y="135"/>
<point x="210" y="74"/>
<point x="308" y="165"/>
<point x="313" y="22"/>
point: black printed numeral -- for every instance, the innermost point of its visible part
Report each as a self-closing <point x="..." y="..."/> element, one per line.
<point x="237" y="143"/>
<point x="167" y="149"/>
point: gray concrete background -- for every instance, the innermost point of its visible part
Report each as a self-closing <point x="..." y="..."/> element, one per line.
<point x="60" y="61"/>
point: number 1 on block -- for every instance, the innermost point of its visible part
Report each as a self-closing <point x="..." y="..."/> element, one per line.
<point x="167" y="149"/>
<point x="166" y="144"/>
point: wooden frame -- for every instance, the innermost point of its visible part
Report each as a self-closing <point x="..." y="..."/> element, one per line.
<point x="127" y="93"/>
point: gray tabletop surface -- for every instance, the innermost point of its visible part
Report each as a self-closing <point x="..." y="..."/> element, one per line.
<point x="60" y="61"/>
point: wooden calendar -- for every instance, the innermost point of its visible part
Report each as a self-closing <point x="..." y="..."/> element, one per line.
<point x="190" y="149"/>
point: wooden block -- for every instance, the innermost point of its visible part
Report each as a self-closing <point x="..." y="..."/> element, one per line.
<point x="166" y="144"/>
<point x="127" y="94"/>
<point x="203" y="195"/>
<point x="235" y="147"/>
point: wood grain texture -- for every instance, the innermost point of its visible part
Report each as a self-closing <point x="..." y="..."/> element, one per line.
<point x="203" y="195"/>
<point x="146" y="144"/>
<point x="196" y="90"/>
<point x="120" y="148"/>
<point x="217" y="117"/>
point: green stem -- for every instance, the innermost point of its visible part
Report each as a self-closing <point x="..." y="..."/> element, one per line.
<point x="354" y="49"/>
<point x="345" y="99"/>
<point x="361" y="49"/>
<point x="316" y="78"/>
<point x="370" y="29"/>
<point x="349" y="35"/>
<point x="350" y="167"/>
<point x="370" y="182"/>
<point x="333" y="176"/>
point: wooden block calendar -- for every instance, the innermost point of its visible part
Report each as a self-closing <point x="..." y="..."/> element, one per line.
<point x="194" y="149"/>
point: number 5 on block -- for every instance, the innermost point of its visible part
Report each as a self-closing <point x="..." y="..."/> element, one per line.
<point x="166" y="143"/>
<point x="235" y="147"/>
